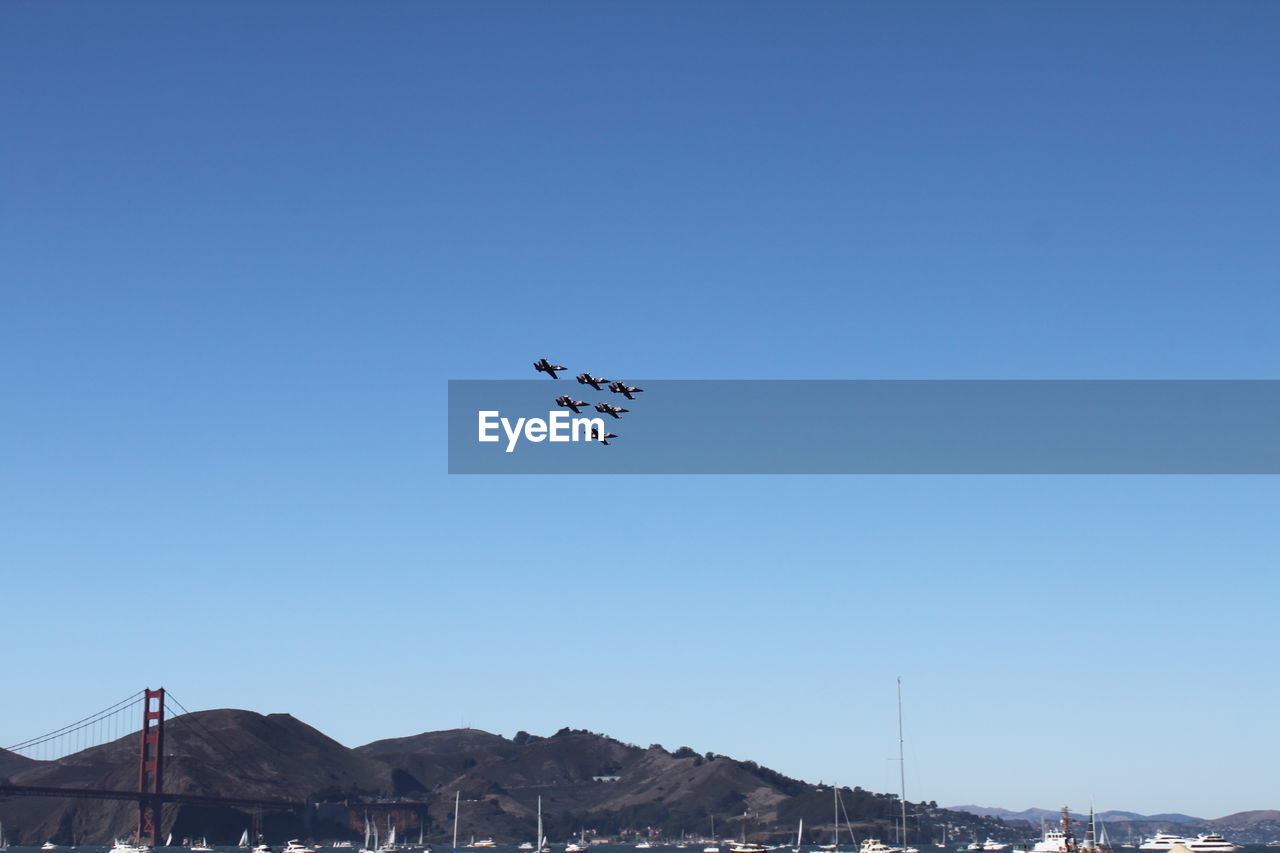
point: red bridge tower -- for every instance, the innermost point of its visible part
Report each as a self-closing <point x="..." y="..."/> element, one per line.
<point x="151" y="767"/>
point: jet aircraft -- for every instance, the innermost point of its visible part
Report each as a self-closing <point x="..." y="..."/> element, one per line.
<point x="610" y="410"/>
<point x="569" y="403"/>
<point x="625" y="390"/>
<point x="588" y="379"/>
<point x="603" y="439"/>
<point x="544" y="366"/>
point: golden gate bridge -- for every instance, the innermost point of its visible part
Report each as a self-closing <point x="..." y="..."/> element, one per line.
<point x="120" y="721"/>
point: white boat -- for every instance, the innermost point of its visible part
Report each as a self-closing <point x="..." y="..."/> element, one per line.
<point x="799" y="837"/>
<point x="1164" y="841"/>
<point x="202" y="847"/>
<point x="875" y="845"/>
<point x="244" y="840"/>
<point x="483" y="842"/>
<point x="744" y="847"/>
<point x="295" y="846"/>
<point x="125" y="847"/>
<point x="48" y="845"/>
<point x="643" y="845"/>
<point x="992" y="846"/>
<point x="1211" y="843"/>
<point x="1054" y="841"/>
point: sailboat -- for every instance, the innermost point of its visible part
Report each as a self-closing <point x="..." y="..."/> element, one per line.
<point x="799" y="836"/>
<point x="835" y="820"/>
<point x="457" y="800"/>
<point x="578" y="846"/>
<point x="244" y="840"/>
<point x="542" y="839"/>
<point x="390" y="845"/>
<point x="714" y="846"/>
<point x="4" y="845"/>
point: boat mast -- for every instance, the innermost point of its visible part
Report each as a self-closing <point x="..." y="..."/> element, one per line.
<point x="902" y="768"/>
<point x="835" y="816"/>
<point x="457" y="798"/>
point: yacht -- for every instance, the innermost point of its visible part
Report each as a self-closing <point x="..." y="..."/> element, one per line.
<point x="125" y="847"/>
<point x="1211" y="844"/>
<point x="875" y="845"/>
<point x="202" y="847"/>
<point x="1163" y="841"/>
<point x="644" y="845"/>
<point x="483" y="842"/>
<point x="991" y="846"/>
<point x="294" y="846"/>
<point x="743" y="847"/>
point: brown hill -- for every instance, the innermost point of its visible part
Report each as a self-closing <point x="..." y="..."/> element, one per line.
<point x="225" y="752"/>
<point x="585" y="780"/>
<point x="12" y="763"/>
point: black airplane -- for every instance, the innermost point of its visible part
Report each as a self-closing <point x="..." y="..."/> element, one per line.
<point x="610" y="410"/>
<point x="569" y="403"/>
<point x="588" y="379"/>
<point x="626" y="390"/>
<point x="595" y="436"/>
<point x="544" y="366"/>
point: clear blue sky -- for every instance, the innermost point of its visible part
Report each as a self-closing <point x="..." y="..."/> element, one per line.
<point x="244" y="245"/>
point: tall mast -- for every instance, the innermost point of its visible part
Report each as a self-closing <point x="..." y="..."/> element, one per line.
<point x="835" y="815"/>
<point x="457" y="798"/>
<point x="902" y="768"/>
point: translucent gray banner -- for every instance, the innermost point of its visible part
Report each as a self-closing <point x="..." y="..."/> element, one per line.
<point x="867" y="427"/>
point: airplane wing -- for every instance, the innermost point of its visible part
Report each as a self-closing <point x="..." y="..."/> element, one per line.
<point x="552" y="372"/>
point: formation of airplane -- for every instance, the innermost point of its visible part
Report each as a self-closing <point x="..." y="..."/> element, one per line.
<point x="588" y="379"/>
<point x="568" y="402"/>
<point x="542" y="365"/>
<point x="625" y="390"/>
<point x="610" y="410"/>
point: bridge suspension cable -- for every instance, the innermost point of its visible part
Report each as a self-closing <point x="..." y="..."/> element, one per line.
<point x="109" y="724"/>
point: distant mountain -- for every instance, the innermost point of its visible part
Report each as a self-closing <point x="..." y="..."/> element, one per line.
<point x="587" y="781"/>
<point x="1029" y="815"/>
<point x="1171" y="817"/>
<point x="1035" y="815"/>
